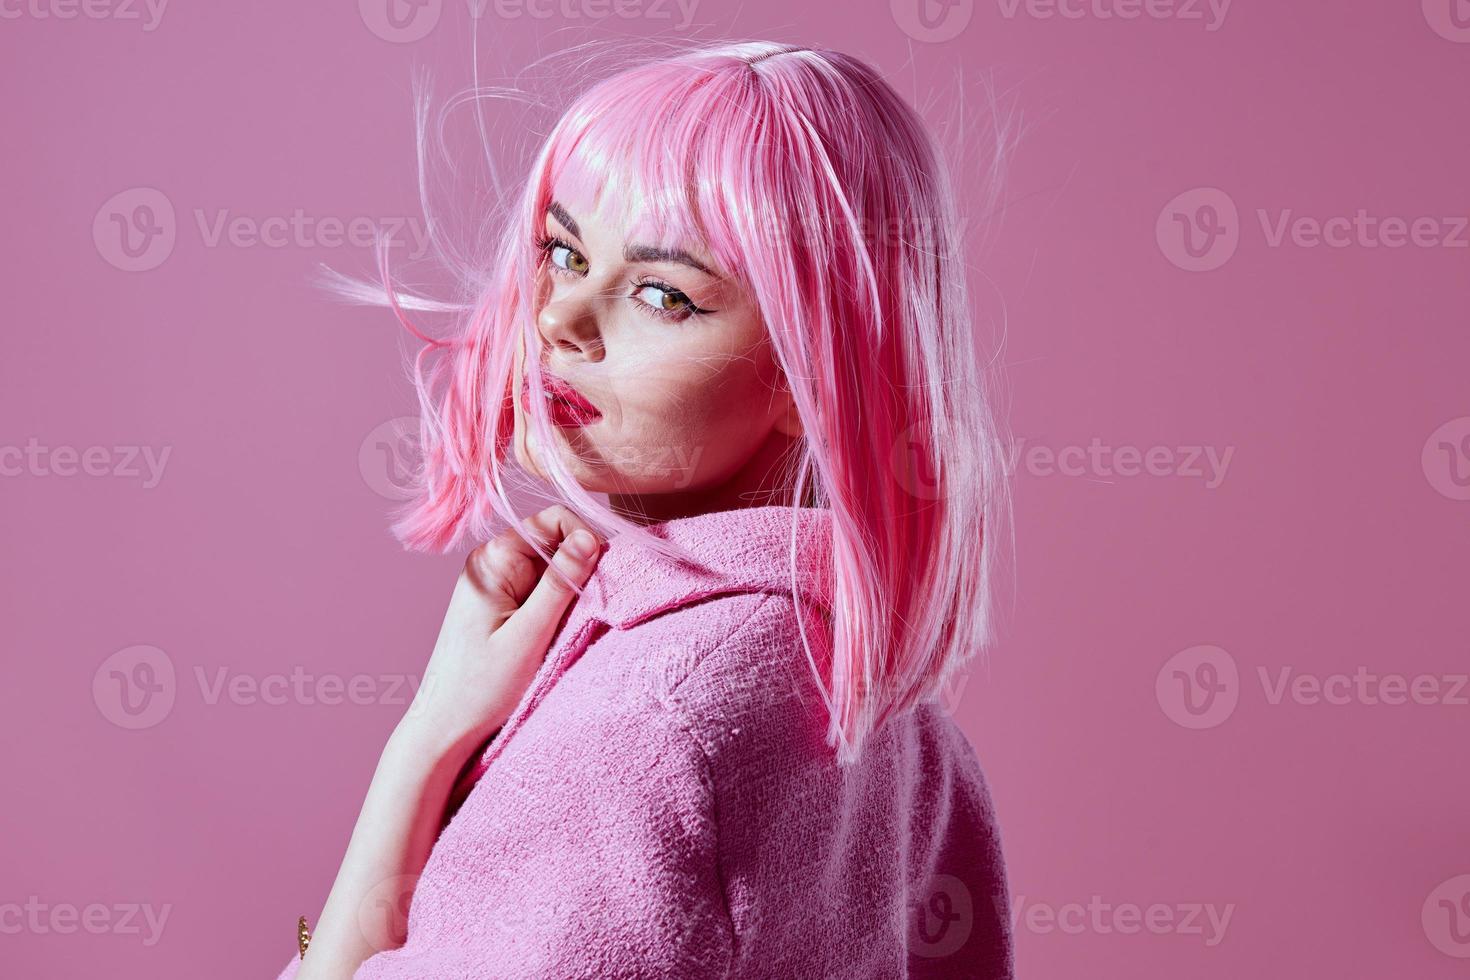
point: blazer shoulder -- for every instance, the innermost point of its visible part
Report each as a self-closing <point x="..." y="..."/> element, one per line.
<point x="757" y="671"/>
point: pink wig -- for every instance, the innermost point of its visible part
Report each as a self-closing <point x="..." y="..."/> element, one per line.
<point x="808" y="178"/>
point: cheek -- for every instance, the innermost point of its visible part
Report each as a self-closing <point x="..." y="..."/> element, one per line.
<point x="522" y="443"/>
<point x="674" y="419"/>
<point x="693" y="430"/>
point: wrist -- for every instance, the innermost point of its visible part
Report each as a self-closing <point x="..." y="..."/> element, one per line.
<point x="416" y="742"/>
<point x="416" y="773"/>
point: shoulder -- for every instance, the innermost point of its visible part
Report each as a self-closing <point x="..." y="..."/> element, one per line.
<point x="740" y="670"/>
<point x="713" y="661"/>
<point x="702" y="642"/>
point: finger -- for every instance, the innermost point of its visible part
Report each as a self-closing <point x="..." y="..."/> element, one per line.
<point x="551" y="526"/>
<point x="535" y="622"/>
<point x="497" y="576"/>
<point x="505" y="569"/>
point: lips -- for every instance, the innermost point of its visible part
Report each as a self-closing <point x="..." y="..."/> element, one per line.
<point x="565" y="404"/>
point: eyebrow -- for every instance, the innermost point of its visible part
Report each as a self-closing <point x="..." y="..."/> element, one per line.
<point x="633" y="253"/>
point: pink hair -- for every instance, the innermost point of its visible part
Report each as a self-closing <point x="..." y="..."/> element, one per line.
<point x="806" y="176"/>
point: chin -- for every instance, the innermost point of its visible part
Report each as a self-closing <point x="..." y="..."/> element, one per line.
<point x="604" y="476"/>
<point x="586" y="477"/>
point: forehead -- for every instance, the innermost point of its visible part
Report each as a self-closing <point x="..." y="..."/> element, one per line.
<point x="632" y="214"/>
<point x="630" y="219"/>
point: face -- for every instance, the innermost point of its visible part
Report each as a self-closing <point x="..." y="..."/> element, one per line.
<point x="692" y="411"/>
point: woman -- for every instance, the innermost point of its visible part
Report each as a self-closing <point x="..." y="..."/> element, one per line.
<point x="732" y="300"/>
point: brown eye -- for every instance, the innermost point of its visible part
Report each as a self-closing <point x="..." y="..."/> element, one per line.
<point x="663" y="299"/>
<point x="569" y="259"/>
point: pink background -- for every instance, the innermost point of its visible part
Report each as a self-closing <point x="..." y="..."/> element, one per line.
<point x="1333" y="834"/>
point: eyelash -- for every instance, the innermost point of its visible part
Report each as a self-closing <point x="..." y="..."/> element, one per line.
<point x="546" y="243"/>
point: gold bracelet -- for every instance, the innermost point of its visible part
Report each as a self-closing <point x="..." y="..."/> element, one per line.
<point x="303" y="937"/>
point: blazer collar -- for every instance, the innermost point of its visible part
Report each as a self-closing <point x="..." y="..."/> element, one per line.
<point x="744" y="550"/>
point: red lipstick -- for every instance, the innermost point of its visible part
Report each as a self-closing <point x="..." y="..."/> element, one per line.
<point x="565" y="404"/>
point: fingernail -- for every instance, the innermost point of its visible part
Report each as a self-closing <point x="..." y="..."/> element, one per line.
<point x="580" y="544"/>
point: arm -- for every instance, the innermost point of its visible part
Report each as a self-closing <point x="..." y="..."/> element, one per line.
<point x="504" y="611"/>
<point x="590" y="851"/>
<point x="366" y="909"/>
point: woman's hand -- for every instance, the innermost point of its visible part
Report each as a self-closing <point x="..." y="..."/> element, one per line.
<point x="506" y="606"/>
<point x="502" y="615"/>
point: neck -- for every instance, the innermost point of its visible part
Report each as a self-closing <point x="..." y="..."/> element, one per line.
<point x="768" y="478"/>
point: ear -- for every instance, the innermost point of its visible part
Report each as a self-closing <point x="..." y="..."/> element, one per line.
<point x="788" y="422"/>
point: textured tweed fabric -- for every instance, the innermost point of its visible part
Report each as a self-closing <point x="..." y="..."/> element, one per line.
<point x="661" y="802"/>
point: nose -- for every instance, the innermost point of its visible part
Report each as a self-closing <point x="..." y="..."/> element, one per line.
<point x="568" y="324"/>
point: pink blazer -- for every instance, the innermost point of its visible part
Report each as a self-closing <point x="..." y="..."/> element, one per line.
<point x="661" y="802"/>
